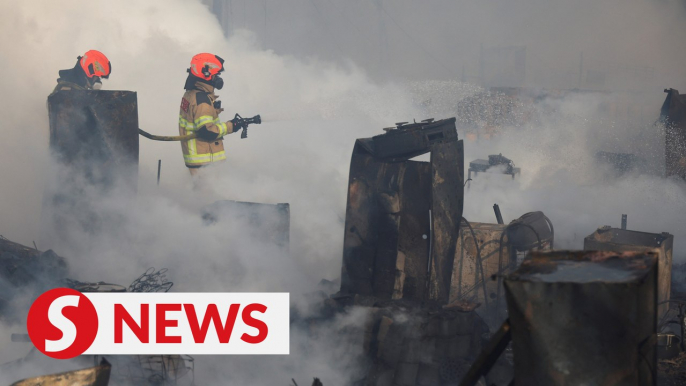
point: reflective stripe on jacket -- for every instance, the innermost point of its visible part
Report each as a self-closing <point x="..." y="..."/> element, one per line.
<point x="64" y="85"/>
<point x="197" y="111"/>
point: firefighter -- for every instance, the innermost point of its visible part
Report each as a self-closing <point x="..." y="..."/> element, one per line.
<point x="87" y="73"/>
<point x="199" y="114"/>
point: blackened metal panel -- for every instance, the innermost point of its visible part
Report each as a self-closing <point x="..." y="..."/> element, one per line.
<point x="387" y="214"/>
<point x="96" y="133"/>
<point x="94" y="145"/>
<point x="620" y="240"/>
<point x="584" y="318"/>
<point x="361" y="219"/>
<point x="447" y="199"/>
<point x="413" y="241"/>
<point x="387" y="277"/>
<point x="370" y="246"/>
<point x="411" y="140"/>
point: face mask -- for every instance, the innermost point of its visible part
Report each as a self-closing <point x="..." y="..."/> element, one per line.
<point x="218" y="82"/>
<point x="97" y="84"/>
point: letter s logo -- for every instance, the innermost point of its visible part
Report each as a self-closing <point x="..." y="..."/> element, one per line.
<point x="65" y="325"/>
<point x="62" y="323"/>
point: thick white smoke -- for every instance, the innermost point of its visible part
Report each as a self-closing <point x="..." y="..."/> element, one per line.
<point x="312" y="110"/>
<point x="561" y="176"/>
<point x="312" y="113"/>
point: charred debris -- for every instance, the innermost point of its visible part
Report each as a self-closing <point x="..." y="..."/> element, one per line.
<point x="27" y="272"/>
<point x="440" y="300"/>
<point x="447" y="301"/>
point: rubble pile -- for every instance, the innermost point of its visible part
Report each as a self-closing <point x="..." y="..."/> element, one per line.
<point x="401" y="235"/>
<point x="92" y="376"/>
<point x="26" y="269"/>
<point x="485" y="252"/>
<point x="424" y="347"/>
<point x="672" y="372"/>
<point x="403" y="342"/>
<point x="428" y="285"/>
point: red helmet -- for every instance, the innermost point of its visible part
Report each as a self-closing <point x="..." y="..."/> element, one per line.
<point x="95" y="63"/>
<point x="205" y="66"/>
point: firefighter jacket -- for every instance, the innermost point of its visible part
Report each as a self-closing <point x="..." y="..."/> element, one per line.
<point x="71" y="79"/>
<point x="198" y="115"/>
<point x="64" y="85"/>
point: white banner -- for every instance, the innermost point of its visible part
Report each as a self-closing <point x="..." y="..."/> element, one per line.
<point x="191" y="323"/>
<point x="64" y="323"/>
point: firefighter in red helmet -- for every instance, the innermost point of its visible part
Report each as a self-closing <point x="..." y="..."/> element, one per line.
<point x="199" y="113"/>
<point x="87" y="73"/>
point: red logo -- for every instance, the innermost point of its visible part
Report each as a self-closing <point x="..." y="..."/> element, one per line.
<point x="184" y="104"/>
<point x="62" y="323"/>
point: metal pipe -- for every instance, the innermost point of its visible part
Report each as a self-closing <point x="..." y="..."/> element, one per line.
<point x="482" y="365"/>
<point x="498" y="216"/>
<point x="682" y="324"/>
<point x="430" y="261"/>
<point x="159" y="169"/>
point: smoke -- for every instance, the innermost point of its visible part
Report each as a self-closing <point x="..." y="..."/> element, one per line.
<point x="313" y="111"/>
<point x="314" y="106"/>
<point x="444" y="38"/>
<point x="562" y="177"/>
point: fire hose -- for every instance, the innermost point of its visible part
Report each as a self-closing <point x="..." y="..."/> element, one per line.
<point x="167" y="137"/>
<point x="242" y="124"/>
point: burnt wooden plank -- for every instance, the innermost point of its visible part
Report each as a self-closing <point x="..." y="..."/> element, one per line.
<point x="447" y="189"/>
<point x="92" y="376"/>
<point x="388" y="220"/>
<point x="414" y="223"/>
<point x="359" y="245"/>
